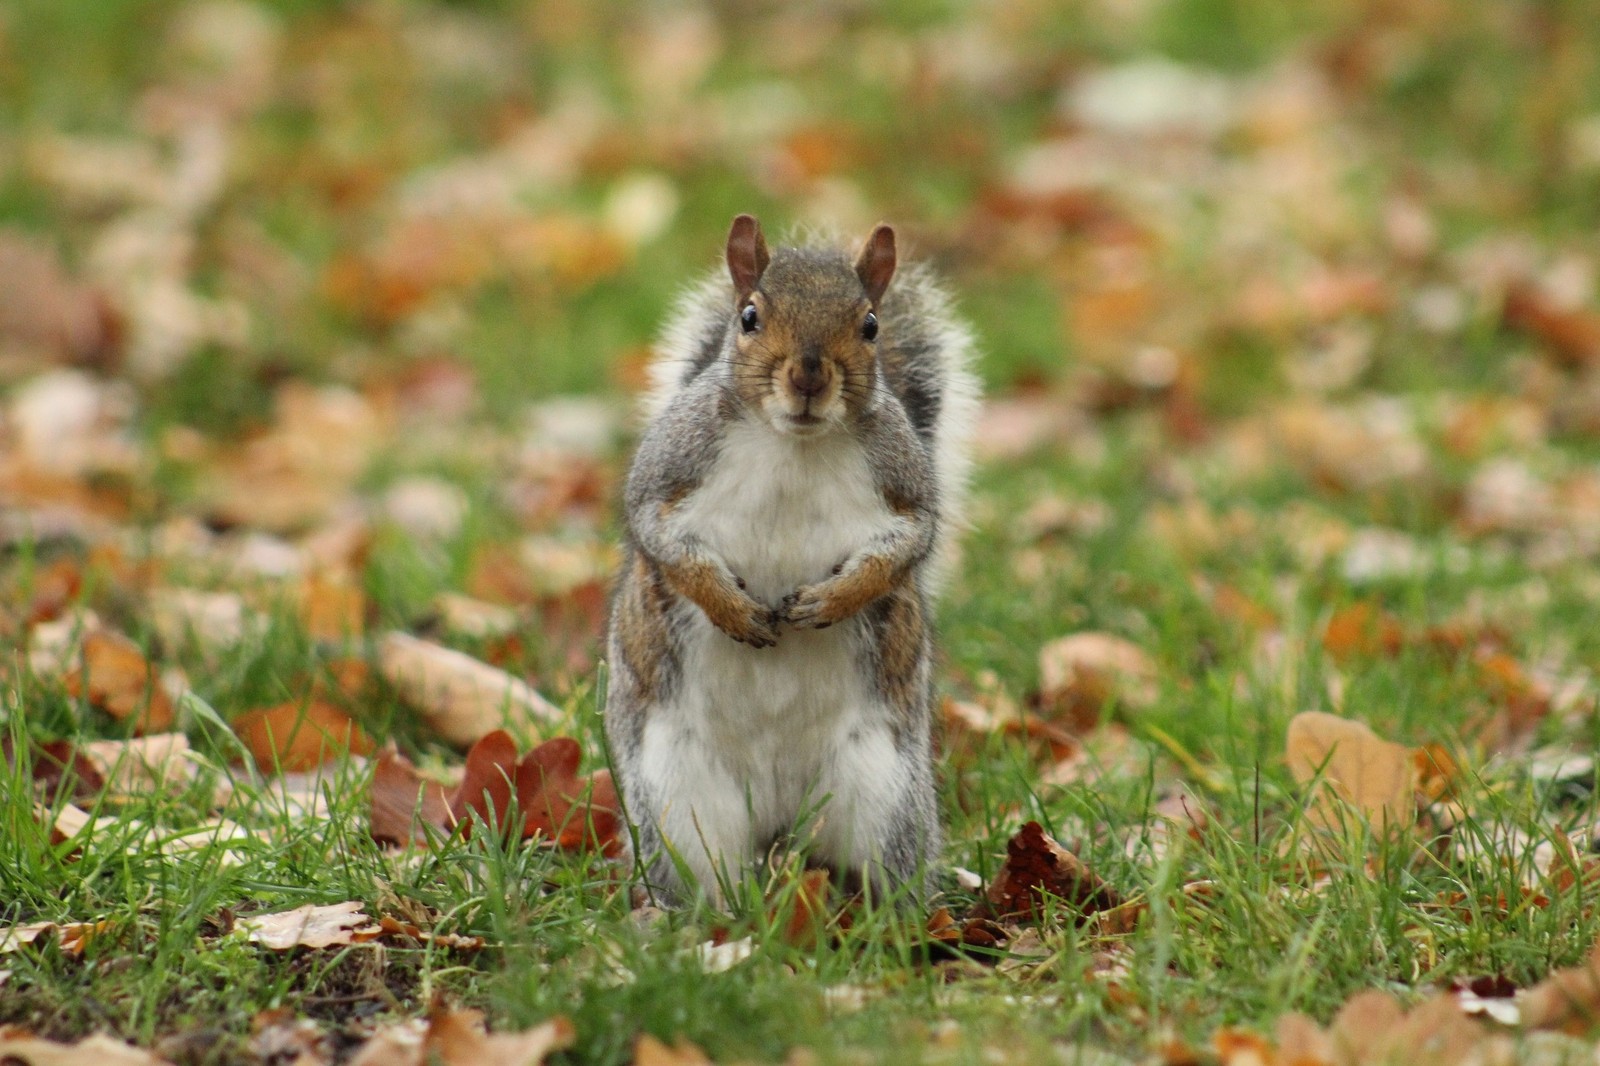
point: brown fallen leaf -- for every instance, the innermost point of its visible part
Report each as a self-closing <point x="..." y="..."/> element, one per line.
<point x="139" y="765"/>
<point x="1571" y="334"/>
<point x="1081" y="673"/>
<point x="649" y="1051"/>
<point x="278" y="1036"/>
<point x="65" y="824"/>
<point x="297" y="736"/>
<point x="311" y="926"/>
<point x="332" y="608"/>
<point x="1375" y="776"/>
<point x="461" y="698"/>
<point x="17" y="1045"/>
<point x="404" y="803"/>
<point x="71" y="936"/>
<point x="1569" y="999"/>
<point x="458" y="1038"/>
<point x="1036" y="866"/>
<point x="555" y="803"/>
<point x="115" y="676"/>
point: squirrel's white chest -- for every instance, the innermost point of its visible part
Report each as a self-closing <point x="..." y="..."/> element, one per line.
<point x="783" y="511"/>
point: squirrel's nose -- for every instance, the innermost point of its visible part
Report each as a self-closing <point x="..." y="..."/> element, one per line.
<point x="807" y="382"/>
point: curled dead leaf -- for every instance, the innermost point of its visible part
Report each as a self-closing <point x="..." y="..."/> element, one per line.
<point x="461" y="698"/>
<point x="1036" y="867"/>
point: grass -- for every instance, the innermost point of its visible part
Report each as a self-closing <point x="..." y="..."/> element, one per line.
<point x="1470" y="119"/>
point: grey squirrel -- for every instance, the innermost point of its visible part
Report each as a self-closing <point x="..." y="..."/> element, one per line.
<point x="786" y="512"/>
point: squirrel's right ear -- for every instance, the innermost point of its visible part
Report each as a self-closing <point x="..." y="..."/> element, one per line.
<point x="747" y="255"/>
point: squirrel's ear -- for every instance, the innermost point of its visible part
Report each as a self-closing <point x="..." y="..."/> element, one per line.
<point x="747" y="255"/>
<point x="875" y="264"/>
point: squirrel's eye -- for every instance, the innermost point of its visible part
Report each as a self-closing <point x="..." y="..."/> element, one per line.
<point x="869" y="327"/>
<point x="749" y="319"/>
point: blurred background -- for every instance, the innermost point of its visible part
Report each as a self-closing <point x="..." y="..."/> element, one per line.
<point x="263" y="259"/>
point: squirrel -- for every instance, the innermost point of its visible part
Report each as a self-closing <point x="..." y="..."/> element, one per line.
<point x="787" y="512"/>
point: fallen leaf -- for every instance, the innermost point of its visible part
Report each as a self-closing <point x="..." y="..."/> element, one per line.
<point x="331" y="608"/>
<point x="649" y="1051"/>
<point x="71" y="936"/>
<point x="19" y="1046"/>
<point x="1375" y="776"/>
<point x="141" y="764"/>
<point x="716" y="958"/>
<point x="404" y="804"/>
<point x="461" y="698"/>
<point x="1362" y="629"/>
<point x="1571" y="334"/>
<point x="115" y="676"/>
<point x="1569" y="999"/>
<point x="1036" y="866"/>
<point x="311" y="926"/>
<point x="556" y="805"/>
<point x="210" y="621"/>
<point x="300" y="735"/>
<point x="458" y="1038"/>
<point x="278" y="1037"/>
<point x="1081" y="673"/>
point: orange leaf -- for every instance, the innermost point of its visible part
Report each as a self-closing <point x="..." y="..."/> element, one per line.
<point x="117" y="678"/>
<point x="1362" y="629"/>
<point x="297" y="736"/>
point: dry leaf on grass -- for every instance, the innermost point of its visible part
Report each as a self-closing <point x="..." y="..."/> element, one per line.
<point x="1081" y="673"/>
<point x="140" y="765"/>
<point x="332" y="608"/>
<point x="297" y="736"/>
<point x="71" y="936"/>
<point x="1375" y="776"/>
<point x="1571" y="334"/>
<point x="19" y="1046"/>
<point x="115" y="676"/>
<point x="461" y="698"/>
<point x="278" y="1037"/>
<point x="458" y="1038"/>
<point x="311" y="926"/>
<point x="65" y="824"/>
<point x="652" y="1052"/>
<point x="1568" y="999"/>
<point x="1035" y="867"/>
<point x="553" y="801"/>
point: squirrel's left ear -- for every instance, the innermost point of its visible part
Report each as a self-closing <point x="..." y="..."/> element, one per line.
<point x="747" y="255"/>
<point x="875" y="264"/>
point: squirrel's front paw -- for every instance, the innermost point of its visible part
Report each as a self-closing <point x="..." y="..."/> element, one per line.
<point x="750" y="622"/>
<point x="808" y="607"/>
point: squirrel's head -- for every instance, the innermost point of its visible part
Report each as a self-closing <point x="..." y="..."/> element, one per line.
<point x="805" y="331"/>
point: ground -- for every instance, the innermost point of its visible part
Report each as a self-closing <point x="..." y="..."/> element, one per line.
<point x="321" y="328"/>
